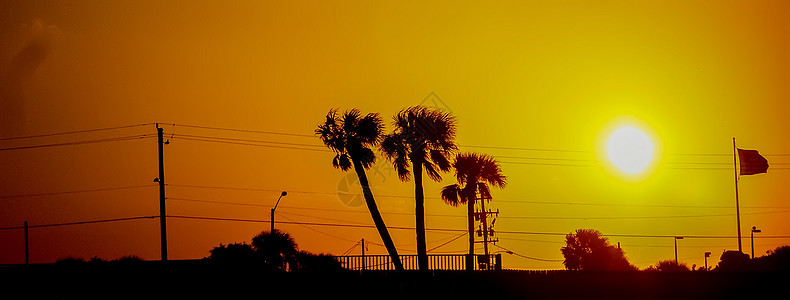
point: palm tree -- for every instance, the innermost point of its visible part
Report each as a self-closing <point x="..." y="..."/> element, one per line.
<point x="276" y="248"/>
<point x="423" y="139"/>
<point x="351" y="136"/>
<point x="471" y="170"/>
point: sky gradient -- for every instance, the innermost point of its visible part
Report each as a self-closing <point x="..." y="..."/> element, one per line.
<point x="538" y="85"/>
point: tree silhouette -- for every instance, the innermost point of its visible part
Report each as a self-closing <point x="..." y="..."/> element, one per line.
<point x="275" y="248"/>
<point x="669" y="265"/>
<point x="351" y="136"/>
<point x="309" y="262"/>
<point x="588" y="250"/>
<point x="236" y="253"/>
<point x="472" y="169"/>
<point x="423" y="138"/>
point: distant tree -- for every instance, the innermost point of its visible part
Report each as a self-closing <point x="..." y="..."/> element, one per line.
<point x="70" y="260"/>
<point x="734" y="261"/>
<point x="472" y="169"/>
<point x="128" y="259"/>
<point x="588" y="250"/>
<point x="669" y="265"/>
<point x="275" y="248"/>
<point x="235" y="253"/>
<point x="351" y="136"/>
<point x="776" y="260"/>
<point x="423" y="139"/>
<point x="310" y="262"/>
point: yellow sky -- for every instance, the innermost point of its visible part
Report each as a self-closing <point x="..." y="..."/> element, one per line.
<point x="551" y="75"/>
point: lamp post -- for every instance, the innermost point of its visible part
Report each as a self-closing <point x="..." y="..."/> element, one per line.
<point x="754" y="229"/>
<point x="275" y="207"/>
<point x="676" y="247"/>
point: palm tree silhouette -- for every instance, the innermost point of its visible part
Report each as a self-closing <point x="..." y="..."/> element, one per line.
<point x="351" y="136"/>
<point x="423" y="138"/>
<point x="471" y="170"/>
<point x="276" y="248"/>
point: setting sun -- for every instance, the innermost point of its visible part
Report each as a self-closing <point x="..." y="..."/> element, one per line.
<point x="630" y="150"/>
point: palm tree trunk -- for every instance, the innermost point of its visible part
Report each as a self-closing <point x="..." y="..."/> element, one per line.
<point x="469" y="194"/>
<point x="419" y="217"/>
<point x="376" y="215"/>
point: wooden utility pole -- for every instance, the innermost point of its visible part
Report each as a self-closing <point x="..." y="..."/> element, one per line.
<point x="161" y="179"/>
<point x="363" y="254"/>
<point x="737" y="205"/>
<point x="27" y="247"/>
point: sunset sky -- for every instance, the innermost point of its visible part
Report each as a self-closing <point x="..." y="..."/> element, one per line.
<point x="537" y="84"/>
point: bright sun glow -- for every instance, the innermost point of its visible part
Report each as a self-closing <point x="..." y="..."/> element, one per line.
<point x="630" y="150"/>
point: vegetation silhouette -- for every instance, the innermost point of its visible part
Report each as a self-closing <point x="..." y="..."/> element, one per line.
<point x="589" y="250"/>
<point x="127" y="259"/>
<point x="423" y="138"/>
<point x="274" y="251"/>
<point x="275" y="248"/>
<point x="669" y="265"/>
<point x="472" y="169"/>
<point x="777" y="259"/>
<point x="351" y="137"/>
<point x="235" y="253"/>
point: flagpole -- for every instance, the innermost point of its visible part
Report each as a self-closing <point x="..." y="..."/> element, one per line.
<point x="737" y="205"/>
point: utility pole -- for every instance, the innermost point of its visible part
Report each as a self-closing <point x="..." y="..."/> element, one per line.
<point x="161" y="180"/>
<point x="486" y="231"/>
<point x="363" y="254"/>
<point x="27" y="247"/>
<point x="737" y="205"/>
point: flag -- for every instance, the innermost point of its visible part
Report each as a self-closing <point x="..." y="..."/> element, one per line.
<point x="752" y="162"/>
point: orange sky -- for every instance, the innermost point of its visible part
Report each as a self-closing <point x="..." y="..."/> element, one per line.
<point x="551" y="75"/>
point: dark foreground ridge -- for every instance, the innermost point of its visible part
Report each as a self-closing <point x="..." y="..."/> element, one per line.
<point x="202" y="280"/>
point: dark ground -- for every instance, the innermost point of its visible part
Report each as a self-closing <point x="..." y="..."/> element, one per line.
<point x="197" y="280"/>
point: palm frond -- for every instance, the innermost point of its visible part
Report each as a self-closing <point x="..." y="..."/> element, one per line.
<point x="451" y="195"/>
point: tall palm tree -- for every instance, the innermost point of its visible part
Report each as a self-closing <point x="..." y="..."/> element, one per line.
<point x="423" y="139"/>
<point x="351" y="136"/>
<point x="471" y="170"/>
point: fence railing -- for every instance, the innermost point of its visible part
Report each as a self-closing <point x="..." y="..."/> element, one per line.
<point x="435" y="262"/>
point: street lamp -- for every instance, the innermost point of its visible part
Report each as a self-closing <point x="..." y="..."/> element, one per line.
<point x="676" y="247"/>
<point x="275" y="207"/>
<point x="754" y="229"/>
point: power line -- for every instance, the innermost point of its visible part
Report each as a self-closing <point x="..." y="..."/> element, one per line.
<point x="80" y="222"/>
<point x="528" y="257"/>
<point x="74" y="132"/>
<point x="242" y="130"/>
<point x="447" y="242"/>
<point x="437" y="198"/>
<point x="77" y="191"/>
<point x="210" y="140"/>
<point x="82" y="142"/>
<point x="245" y="141"/>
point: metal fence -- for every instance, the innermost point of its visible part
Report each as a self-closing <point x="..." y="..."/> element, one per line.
<point x="435" y="262"/>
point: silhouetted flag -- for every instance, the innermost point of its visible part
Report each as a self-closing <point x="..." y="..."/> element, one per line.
<point x="752" y="162"/>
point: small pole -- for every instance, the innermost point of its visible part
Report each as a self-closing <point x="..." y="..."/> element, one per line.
<point x="707" y="254"/>
<point x="271" y="221"/>
<point x="27" y="247"/>
<point x="363" y="254"/>
<point x="737" y="205"/>
<point x="754" y="229"/>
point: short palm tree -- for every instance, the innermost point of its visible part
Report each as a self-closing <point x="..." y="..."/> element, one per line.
<point x="471" y="170"/>
<point x="423" y="139"/>
<point x="351" y="136"/>
<point x="276" y="248"/>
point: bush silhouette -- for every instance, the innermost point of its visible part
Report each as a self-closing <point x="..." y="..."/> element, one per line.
<point x="588" y="250"/>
